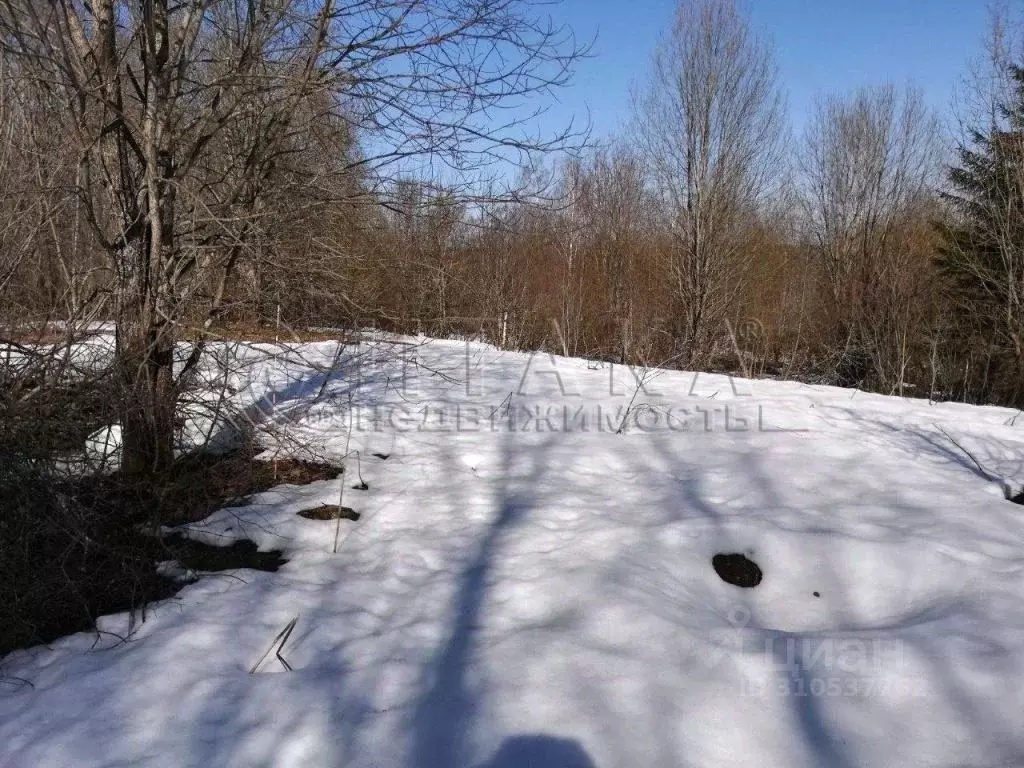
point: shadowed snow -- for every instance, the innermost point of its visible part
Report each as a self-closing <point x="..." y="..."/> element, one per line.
<point x="527" y="588"/>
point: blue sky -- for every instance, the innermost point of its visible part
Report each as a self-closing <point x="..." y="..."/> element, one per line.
<point x="822" y="46"/>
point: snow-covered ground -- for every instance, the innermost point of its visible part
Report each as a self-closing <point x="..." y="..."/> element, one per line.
<point x="528" y="588"/>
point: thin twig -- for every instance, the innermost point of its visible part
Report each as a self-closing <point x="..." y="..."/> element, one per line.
<point x="508" y="399"/>
<point x="16" y="682"/>
<point x="279" y="641"/>
<point x="984" y="472"/>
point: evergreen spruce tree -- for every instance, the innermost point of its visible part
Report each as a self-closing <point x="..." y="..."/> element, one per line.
<point x="982" y="256"/>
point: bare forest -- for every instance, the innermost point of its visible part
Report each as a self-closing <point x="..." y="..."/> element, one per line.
<point x="185" y="172"/>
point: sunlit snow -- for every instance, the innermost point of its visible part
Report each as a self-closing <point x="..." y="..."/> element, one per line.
<point x="527" y="586"/>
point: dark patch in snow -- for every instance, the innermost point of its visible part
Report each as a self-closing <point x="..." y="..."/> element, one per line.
<point x="360" y="487"/>
<point x="817" y="594"/>
<point x="197" y="556"/>
<point x="329" y="512"/>
<point x="736" y="569"/>
<point x="539" y="751"/>
<point x="382" y="456"/>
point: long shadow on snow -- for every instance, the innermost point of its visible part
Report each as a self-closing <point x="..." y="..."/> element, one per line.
<point x="446" y="709"/>
<point x="363" y="369"/>
<point x="932" y="442"/>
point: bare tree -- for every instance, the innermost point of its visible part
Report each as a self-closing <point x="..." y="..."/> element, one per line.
<point x="710" y="123"/>
<point x="612" y="212"/>
<point x="568" y="325"/>
<point x="869" y="166"/>
<point x="182" y="117"/>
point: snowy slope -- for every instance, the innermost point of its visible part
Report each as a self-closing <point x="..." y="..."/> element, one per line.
<point x="528" y="588"/>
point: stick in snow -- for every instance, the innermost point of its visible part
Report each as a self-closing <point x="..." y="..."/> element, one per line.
<point x="279" y="641"/>
<point x="344" y="466"/>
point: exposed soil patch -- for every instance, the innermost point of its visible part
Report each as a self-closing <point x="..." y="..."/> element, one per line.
<point x="198" y="485"/>
<point x="737" y="569"/>
<point x="206" y="557"/>
<point x="329" y="512"/>
<point x="83" y="552"/>
<point x="296" y="472"/>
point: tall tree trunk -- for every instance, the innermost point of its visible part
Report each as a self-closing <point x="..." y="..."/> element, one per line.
<point x="145" y="331"/>
<point x="144" y="363"/>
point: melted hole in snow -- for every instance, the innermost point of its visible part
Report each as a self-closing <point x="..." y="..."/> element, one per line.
<point x="737" y="569"/>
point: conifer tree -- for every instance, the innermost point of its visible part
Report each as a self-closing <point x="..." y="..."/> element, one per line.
<point x="982" y="257"/>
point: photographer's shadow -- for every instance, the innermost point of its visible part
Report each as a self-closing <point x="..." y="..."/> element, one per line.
<point x="539" y="751"/>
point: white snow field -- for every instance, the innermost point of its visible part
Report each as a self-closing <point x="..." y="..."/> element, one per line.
<point x="527" y="588"/>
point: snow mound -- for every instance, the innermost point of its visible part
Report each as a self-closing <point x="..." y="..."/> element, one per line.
<point x="200" y="431"/>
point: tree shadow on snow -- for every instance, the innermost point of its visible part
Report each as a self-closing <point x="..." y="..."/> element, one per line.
<point x="447" y="707"/>
<point x="362" y="372"/>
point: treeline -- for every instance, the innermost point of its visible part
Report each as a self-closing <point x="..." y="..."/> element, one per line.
<point x="705" y="236"/>
<point x="859" y="253"/>
<point x="262" y="191"/>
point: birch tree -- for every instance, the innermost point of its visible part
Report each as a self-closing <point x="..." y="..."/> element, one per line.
<point x="711" y="124"/>
<point x="869" y="165"/>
